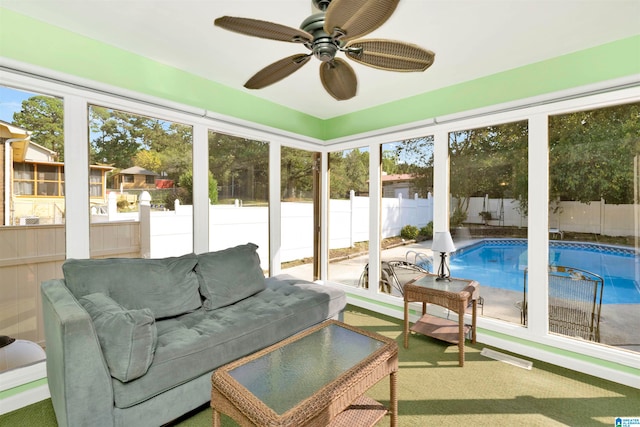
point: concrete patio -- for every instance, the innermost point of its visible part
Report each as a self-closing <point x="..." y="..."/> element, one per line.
<point x="616" y="322"/>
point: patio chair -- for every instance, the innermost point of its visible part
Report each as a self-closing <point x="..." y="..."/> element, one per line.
<point x="575" y="301"/>
<point x="394" y="274"/>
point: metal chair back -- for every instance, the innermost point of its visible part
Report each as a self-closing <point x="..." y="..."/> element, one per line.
<point x="575" y="302"/>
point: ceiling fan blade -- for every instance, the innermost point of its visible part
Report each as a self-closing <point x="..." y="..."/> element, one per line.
<point x="355" y="18"/>
<point x="390" y="55"/>
<point x="263" y="29"/>
<point x="339" y="79"/>
<point x="277" y="71"/>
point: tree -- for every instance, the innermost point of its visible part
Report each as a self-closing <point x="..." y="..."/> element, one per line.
<point x="349" y="171"/>
<point x="149" y="160"/>
<point x="44" y="117"/>
<point x="124" y="139"/>
<point x="240" y="166"/>
<point x="416" y="157"/>
<point x="296" y="172"/>
<point x="490" y="160"/>
<point x="592" y="153"/>
<point x="185" y="183"/>
<point x="114" y="137"/>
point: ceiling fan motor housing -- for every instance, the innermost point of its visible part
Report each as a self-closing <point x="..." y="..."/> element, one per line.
<point x="324" y="46"/>
<point x="321" y="4"/>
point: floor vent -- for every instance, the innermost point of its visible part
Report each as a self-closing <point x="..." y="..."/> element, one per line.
<point x="515" y="361"/>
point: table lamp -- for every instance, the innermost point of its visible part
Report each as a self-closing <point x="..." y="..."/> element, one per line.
<point x="443" y="243"/>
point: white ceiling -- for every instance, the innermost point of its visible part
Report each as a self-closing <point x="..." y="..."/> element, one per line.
<point x="471" y="39"/>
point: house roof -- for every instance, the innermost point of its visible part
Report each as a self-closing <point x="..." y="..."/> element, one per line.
<point x="397" y="177"/>
<point x="136" y="170"/>
<point x="20" y="139"/>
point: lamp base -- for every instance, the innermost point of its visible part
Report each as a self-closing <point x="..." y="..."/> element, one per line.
<point x="443" y="270"/>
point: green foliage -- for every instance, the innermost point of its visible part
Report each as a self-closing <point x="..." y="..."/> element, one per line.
<point x="240" y="167"/>
<point x="185" y="182"/>
<point x="457" y="218"/>
<point x="296" y="171"/>
<point x="44" y="117"/>
<point x="122" y="204"/>
<point x="149" y="160"/>
<point x="427" y="231"/>
<point x="409" y="232"/>
<point x="490" y="160"/>
<point x="123" y="139"/>
<point x="414" y="156"/>
<point x="592" y="154"/>
<point x="349" y="170"/>
<point x="177" y="193"/>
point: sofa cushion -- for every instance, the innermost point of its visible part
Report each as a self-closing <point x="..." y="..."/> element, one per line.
<point x="168" y="286"/>
<point x="127" y="337"/>
<point x="229" y="275"/>
<point x="196" y="343"/>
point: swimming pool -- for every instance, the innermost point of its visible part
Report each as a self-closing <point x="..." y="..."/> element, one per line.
<point x="500" y="263"/>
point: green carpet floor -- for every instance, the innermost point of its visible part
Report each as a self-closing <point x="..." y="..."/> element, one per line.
<point x="434" y="391"/>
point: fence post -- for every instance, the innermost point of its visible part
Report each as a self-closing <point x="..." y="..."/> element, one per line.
<point x="145" y="224"/>
<point x="352" y="196"/>
<point x="402" y="213"/>
<point x="112" y="206"/>
<point x="603" y="228"/>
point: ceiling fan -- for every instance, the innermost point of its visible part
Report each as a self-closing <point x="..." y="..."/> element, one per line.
<point x="336" y="28"/>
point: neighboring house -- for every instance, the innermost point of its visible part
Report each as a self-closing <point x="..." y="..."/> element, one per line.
<point x="32" y="180"/>
<point x="396" y="184"/>
<point x="136" y="177"/>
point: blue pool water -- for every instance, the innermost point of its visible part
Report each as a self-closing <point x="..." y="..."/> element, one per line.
<point x="500" y="263"/>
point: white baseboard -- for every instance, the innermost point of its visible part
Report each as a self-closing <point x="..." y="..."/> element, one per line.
<point x="25" y="398"/>
<point x="20" y="377"/>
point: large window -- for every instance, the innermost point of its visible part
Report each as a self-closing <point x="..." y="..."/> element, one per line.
<point x="348" y="215"/>
<point x="298" y="169"/>
<point x="488" y="219"/>
<point x="239" y="193"/>
<point x="137" y="147"/>
<point x="32" y="208"/>
<point x="593" y="213"/>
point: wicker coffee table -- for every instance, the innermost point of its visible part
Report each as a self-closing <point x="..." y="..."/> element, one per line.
<point x="315" y="378"/>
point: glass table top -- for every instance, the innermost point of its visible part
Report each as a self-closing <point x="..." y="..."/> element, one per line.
<point x="283" y="378"/>
<point x="453" y="286"/>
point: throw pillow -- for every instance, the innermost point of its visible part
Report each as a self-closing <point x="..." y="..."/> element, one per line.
<point x="167" y="286"/>
<point x="127" y="337"/>
<point x="229" y="275"/>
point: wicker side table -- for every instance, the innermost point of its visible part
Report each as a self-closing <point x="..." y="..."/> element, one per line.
<point x="453" y="295"/>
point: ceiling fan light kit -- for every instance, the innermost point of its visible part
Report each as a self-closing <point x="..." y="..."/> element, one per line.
<point x="336" y="29"/>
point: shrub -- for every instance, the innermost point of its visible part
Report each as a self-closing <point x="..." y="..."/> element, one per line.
<point x="458" y="218"/>
<point x="409" y="232"/>
<point x="123" y="204"/>
<point x="426" y="232"/>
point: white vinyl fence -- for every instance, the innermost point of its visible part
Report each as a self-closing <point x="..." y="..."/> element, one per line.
<point x="170" y="233"/>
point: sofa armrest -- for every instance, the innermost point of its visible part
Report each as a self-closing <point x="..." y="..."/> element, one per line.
<point x="77" y="374"/>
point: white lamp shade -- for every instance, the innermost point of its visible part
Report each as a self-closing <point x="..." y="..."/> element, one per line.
<point x="442" y="242"/>
<point x="20" y="353"/>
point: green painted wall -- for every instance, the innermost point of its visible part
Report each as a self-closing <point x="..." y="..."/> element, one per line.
<point x="41" y="44"/>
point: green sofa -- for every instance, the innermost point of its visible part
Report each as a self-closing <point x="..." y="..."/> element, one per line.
<point x="134" y="341"/>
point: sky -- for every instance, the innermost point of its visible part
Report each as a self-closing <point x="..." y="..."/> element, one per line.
<point x="11" y="102"/>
